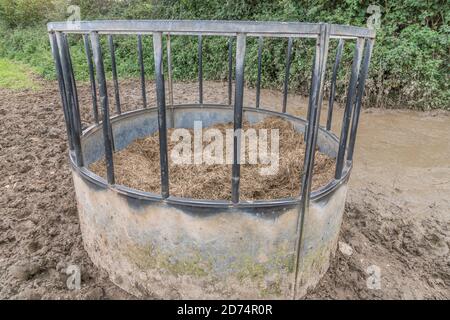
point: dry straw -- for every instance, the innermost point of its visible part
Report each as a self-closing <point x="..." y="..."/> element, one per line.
<point x="137" y="166"/>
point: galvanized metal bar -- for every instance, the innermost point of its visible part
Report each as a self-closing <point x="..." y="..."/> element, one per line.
<point x="315" y="102"/>
<point x="230" y="70"/>
<point x="200" y="69"/>
<point x="359" y="95"/>
<point x="229" y="28"/>
<point x="142" y="71"/>
<point x="333" y="83"/>
<point x="161" y="103"/>
<point x="114" y="73"/>
<point x="238" y="106"/>
<point x="76" y="105"/>
<point x="62" y="90"/>
<point x="87" y="50"/>
<point x="286" y="75"/>
<point x="170" y="81"/>
<point x="72" y="101"/>
<point x="357" y="57"/>
<point x="311" y="87"/>
<point x="325" y="34"/>
<point x="169" y="70"/>
<point x="323" y="68"/>
<point x="258" y="79"/>
<point x="103" y="94"/>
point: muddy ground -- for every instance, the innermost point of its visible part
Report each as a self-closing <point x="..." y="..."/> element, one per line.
<point x="396" y="219"/>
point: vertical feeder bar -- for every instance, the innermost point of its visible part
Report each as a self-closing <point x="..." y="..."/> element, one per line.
<point x="103" y="94"/>
<point x="286" y="75"/>
<point x="359" y="95"/>
<point x="76" y="105"/>
<point x="114" y="73"/>
<point x="333" y="83"/>
<point x="323" y="68"/>
<point x="230" y="69"/>
<point x="161" y="102"/>
<point x="315" y="104"/>
<point x="169" y="81"/>
<point x="72" y="101"/>
<point x="142" y="70"/>
<point x="238" y="103"/>
<point x="62" y="90"/>
<point x="200" y="69"/>
<point x="357" y="57"/>
<point x="311" y="88"/>
<point x="258" y="79"/>
<point x="87" y="50"/>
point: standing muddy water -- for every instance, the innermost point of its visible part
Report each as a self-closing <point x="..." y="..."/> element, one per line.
<point x="396" y="221"/>
<point x="409" y="154"/>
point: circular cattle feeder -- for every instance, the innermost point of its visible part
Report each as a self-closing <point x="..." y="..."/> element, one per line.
<point x="163" y="246"/>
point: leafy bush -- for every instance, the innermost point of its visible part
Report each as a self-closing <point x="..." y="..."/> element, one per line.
<point x="22" y="13"/>
<point x="409" y="66"/>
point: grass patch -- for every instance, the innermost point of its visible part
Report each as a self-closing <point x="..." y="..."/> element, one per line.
<point x="14" y="75"/>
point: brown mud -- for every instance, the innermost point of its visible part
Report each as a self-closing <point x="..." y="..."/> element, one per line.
<point x="396" y="219"/>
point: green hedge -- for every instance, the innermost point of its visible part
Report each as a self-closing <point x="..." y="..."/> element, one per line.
<point x="410" y="65"/>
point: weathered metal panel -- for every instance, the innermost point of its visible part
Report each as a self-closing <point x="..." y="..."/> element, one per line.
<point x="187" y="248"/>
<point x="208" y="27"/>
<point x="153" y="249"/>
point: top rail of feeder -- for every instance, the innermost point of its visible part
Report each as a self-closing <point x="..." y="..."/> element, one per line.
<point x="209" y="27"/>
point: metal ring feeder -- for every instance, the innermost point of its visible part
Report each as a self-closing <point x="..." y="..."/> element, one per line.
<point x="162" y="246"/>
